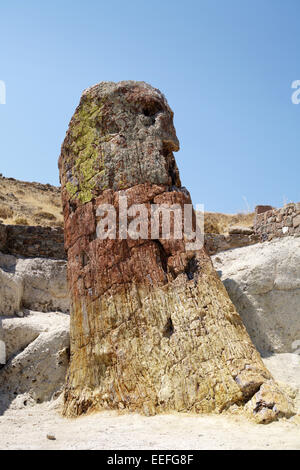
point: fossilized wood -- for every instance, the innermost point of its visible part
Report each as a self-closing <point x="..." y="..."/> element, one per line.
<point x="152" y="327"/>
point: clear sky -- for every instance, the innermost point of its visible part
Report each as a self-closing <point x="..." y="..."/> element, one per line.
<point x="225" y="66"/>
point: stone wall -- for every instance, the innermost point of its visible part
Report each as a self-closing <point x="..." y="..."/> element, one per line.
<point x="32" y="241"/>
<point x="48" y="242"/>
<point x="215" y="243"/>
<point x="272" y="223"/>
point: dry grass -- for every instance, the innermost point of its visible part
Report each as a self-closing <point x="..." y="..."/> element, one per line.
<point x="45" y="215"/>
<point x="215" y="222"/>
<point x="6" y="212"/>
<point x="36" y="203"/>
<point x="19" y="220"/>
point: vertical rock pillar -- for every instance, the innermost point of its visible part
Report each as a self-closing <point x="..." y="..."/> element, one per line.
<point x="152" y="327"/>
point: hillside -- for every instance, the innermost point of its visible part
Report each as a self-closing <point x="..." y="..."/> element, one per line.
<point x="25" y="203"/>
<point x="216" y="222"/>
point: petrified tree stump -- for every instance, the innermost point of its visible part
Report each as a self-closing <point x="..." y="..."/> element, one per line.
<point x="152" y="327"/>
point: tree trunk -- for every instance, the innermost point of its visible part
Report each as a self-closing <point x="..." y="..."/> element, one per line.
<point x="152" y="327"/>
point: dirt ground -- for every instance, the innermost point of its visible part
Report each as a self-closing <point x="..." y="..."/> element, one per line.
<point x="27" y="428"/>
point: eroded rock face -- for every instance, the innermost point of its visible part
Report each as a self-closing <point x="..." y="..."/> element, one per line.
<point x="2" y="346"/>
<point x="32" y="283"/>
<point x="37" y="355"/>
<point x="152" y="327"/>
<point x="263" y="282"/>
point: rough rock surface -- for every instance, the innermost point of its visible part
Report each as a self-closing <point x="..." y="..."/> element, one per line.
<point x="32" y="241"/>
<point x="2" y="345"/>
<point x="33" y="283"/>
<point x="37" y="349"/>
<point x="263" y="282"/>
<point x="285" y="368"/>
<point x="152" y="326"/>
<point x="215" y="243"/>
<point x="270" y="223"/>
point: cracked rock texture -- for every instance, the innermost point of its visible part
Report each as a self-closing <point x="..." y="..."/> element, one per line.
<point x="2" y="345"/>
<point x="263" y="282"/>
<point x="152" y="326"/>
<point x="37" y="350"/>
<point x="33" y="283"/>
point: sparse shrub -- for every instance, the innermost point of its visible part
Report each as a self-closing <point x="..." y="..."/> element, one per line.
<point x="211" y="227"/>
<point x="45" y="215"/>
<point x="215" y="222"/>
<point x="6" y="212"/>
<point x="19" y="220"/>
<point x="59" y="223"/>
<point x="56" y="203"/>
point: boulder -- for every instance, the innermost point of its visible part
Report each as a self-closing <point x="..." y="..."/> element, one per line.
<point x="240" y="230"/>
<point x="285" y="368"/>
<point x="37" y="349"/>
<point x="33" y="283"/>
<point x="11" y="286"/>
<point x="2" y="346"/>
<point x="263" y="282"/>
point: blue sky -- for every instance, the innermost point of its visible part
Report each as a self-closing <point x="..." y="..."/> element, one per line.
<point x="226" y="68"/>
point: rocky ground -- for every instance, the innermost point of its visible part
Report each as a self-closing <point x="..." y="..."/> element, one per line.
<point x="263" y="282"/>
<point x="108" y="430"/>
<point x="28" y="427"/>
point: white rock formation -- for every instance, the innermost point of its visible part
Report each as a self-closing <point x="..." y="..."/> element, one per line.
<point x="285" y="369"/>
<point x="34" y="345"/>
<point x="2" y="346"/>
<point x="263" y="281"/>
<point x="33" y="283"/>
<point x="37" y="348"/>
